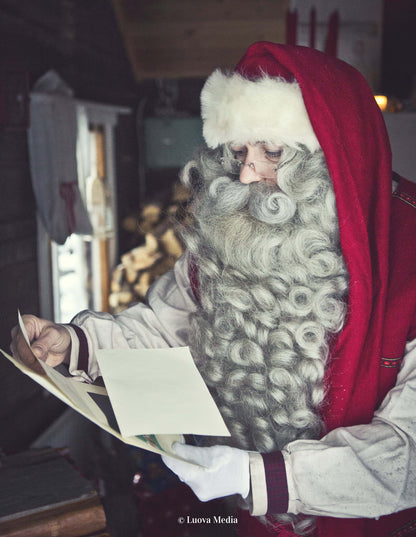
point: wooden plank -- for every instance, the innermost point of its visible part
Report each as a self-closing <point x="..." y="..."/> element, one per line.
<point x="26" y="421"/>
<point x="45" y="496"/>
<point x="44" y="14"/>
<point x="185" y="38"/>
<point x="17" y="251"/>
<point x="104" y="274"/>
<point x="17" y="229"/>
<point x="200" y="58"/>
<point x="135" y="11"/>
<point x="15" y="388"/>
<point x="20" y="291"/>
<point x="17" y="195"/>
<point x="100" y="144"/>
<point x="13" y="146"/>
<point x="180" y="33"/>
<point x="103" y="244"/>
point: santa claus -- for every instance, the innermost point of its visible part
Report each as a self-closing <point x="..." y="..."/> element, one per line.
<point x="296" y="295"/>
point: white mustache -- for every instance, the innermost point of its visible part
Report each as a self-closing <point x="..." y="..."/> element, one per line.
<point x="263" y="201"/>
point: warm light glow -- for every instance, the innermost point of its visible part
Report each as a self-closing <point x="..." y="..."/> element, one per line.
<point x="381" y="101"/>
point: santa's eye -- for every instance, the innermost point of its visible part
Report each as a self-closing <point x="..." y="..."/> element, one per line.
<point x="239" y="153"/>
<point x="274" y="156"/>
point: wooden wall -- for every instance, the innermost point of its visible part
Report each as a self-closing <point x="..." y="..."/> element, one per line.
<point x="399" y="46"/>
<point x="80" y="40"/>
<point x="18" y="284"/>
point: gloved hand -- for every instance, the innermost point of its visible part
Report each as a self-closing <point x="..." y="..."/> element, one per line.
<point x="50" y="342"/>
<point x="223" y="470"/>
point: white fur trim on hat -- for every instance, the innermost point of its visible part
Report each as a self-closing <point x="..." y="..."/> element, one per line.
<point x="235" y="109"/>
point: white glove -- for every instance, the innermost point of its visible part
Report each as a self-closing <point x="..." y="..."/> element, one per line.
<point x="222" y="470"/>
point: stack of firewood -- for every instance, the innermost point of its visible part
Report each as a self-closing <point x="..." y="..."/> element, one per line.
<point x="161" y="247"/>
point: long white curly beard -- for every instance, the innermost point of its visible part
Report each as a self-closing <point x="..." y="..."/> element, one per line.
<point x="272" y="283"/>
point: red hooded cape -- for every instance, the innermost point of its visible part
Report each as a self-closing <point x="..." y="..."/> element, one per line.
<point x="376" y="240"/>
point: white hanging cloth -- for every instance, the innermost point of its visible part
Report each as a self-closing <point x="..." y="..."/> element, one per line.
<point x="52" y="140"/>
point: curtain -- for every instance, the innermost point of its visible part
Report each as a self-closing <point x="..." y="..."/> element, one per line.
<point x="52" y="141"/>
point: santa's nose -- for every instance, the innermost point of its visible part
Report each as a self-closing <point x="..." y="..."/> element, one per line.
<point x="248" y="173"/>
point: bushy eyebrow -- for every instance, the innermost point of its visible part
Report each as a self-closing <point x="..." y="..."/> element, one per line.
<point x="265" y="144"/>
